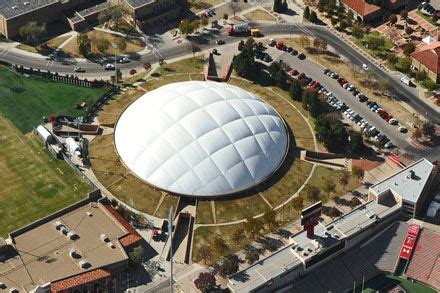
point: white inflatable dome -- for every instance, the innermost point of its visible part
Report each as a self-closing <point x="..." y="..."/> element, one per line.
<point x="201" y="138"/>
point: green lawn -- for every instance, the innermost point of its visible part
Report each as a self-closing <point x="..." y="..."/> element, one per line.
<point x="380" y="283"/>
<point x="380" y="52"/>
<point x="25" y="100"/>
<point x="33" y="183"/>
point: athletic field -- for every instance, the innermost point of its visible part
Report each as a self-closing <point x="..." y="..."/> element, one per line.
<point x="24" y="100"/>
<point x="33" y="184"/>
<point x="385" y="282"/>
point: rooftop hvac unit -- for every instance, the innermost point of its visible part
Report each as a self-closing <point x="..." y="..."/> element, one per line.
<point x="104" y="238"/>
<point x="72" y="235"/>
<point x="84" y="264"/>
<point x="63" y="230"/>
<point x="73" y="253"/>
<point x="111" y="245"/>
<point x="2" y="286"/>
<point x="57" y="225"/>
<point x="89" y="214"/>
<point x="13" y="290"/>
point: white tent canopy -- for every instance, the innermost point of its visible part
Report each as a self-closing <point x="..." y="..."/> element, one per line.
<point x="201" y="138"/>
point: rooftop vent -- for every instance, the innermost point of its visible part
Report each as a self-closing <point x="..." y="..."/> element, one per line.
<point x="72" y="235"/>
<point x="73" y="253"/>
<point x="63" y="230"/>
<point x="26" y="3"/>
<point x="411" y="174"/>
<point x="305" y="253"/>
<point x="329" y="228"/>
<point x="104" y="238"/>
<point x="57" y="225"/>
<point x="2" y="286"/>
<point x="111" y="245"/>
<point x="89" y="214"/>
<point x="14" y="7"/>
<point x="84" y="264"/>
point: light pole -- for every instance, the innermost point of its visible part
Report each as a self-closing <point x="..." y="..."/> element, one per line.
<point x="115" y="46"/>
<point x="170" y="228"/>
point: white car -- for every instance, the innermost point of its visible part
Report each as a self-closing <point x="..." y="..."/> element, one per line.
<point x="365" y="66"/>
<point x="406" y="80"/>
<point x="109" y="66"/>
<point x="123" y="60"/>
<point x="392" y="120"/>
<point x="388" y="145"/>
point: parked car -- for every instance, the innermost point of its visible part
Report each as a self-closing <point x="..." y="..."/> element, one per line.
<point x="109" y="66"/>
<point x="294" y="52"/>
<point x="220" y="42"/>
<point x="403" y="129"/>
<point x="122" y="60"/>
<point x="294" y="72"/>
<point x="406" y="80"/>
<point x="272" y="42"/>
<point x="301" y="56"/>
<point x="79" y="69"/>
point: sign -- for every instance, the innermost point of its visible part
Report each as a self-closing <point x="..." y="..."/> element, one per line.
<point x="310" y="218"/>
<point x="409" y="241"/>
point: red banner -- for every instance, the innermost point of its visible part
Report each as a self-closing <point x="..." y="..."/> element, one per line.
<point x="409" y="241"/>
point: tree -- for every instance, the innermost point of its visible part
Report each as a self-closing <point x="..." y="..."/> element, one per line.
<point x="238" y="235"/>
<point x="306" y="13"/>
<point x="244" y="63"/>
<point x="269" y="218"/>
<point x="205" y="281"/>
<point x="312" y="193"/>
<point x="277" y="6"/>
<point x="31" y="32"/>
<point x="277" y="74"/>
<point x="374" y="42"/>
<point x="392" y="19"/>
<point x="122" y="44"/>
<point x="313" y="17"/>
<point x="205" y="253"/>
<point x="186" y="27"/>
<point x="296" y="90"/>
<point x="421" y="75"/>
<point x="408" y="48"/>
<point x="84" y="44"/>
<point x="220" y="245"/>
<point x="428" y="129"/>
<point x="252" y="227"/>
<point x="233" y="5"/>
<point x="357" y="145"/>
<point x="304" y="41"/>
<point x="102" y="45"/>
<point x="329" y="187"/>
<point x="229" y="266"/>
<point x="251" y="256"/>
<point x="404" y="14"/>
<point x="331" y="132"/>
<point x="417" y="134"/>
<point x="343" y="25"/>
<point x="297" y="203"/>
<point x="147" y="66"/>
<point x="114" y="13"/>
<point x="358" y="172"/>
<point x="392" y="58"/>
<point x="133" y="71"/>
<point x="194" y="48"/>
<point x="225" y="16"/>
<point x="358" y="31"/>
<point x="320" y="44"/>
<point x="409" y="30"/>
<point x="354" y="201"/>
<point x="344" y="177"/>
<point x="285" y="6"/>
<point x="137" y="255"/>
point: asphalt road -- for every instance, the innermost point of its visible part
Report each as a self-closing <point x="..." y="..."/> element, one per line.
<point x="206" y="40"/>
<point x="315" y="71"/>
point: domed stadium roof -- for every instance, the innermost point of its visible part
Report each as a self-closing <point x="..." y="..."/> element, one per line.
<point x="201" y="138"/>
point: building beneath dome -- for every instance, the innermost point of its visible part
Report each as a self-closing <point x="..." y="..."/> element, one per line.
<point x="201" y="139"/>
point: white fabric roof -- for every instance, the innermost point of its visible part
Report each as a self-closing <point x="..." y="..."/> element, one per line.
<point x="201" y="138"/>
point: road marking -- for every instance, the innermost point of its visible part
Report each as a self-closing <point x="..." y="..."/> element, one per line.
<point x="49" y="63"/>
<point x="4" y="52"/>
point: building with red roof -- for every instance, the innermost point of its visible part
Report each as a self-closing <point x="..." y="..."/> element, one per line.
<point x="427" y="59"/>
<point x="371" y="10"/>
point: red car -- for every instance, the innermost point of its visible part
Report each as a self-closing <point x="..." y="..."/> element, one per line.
<point x="388" y="118"/>
<point x="294" y="72"/>
<point x="380" y="112"/>
<point x="342" y="82"/>
<point x="301" y="75"/>
<point x="279" y="46"/>
<point x="315" y="84"/>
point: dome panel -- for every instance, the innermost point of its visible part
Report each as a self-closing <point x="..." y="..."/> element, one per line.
<point x="201" y="138"/>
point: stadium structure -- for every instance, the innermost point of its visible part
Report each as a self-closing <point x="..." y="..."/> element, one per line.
<point x="381" y="236"/>
<point x="201" y="139"/>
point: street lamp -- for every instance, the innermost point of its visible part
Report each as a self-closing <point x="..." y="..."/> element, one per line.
<point x="115" y="46"/>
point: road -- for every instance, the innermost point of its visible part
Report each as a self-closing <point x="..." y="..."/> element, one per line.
<point x="206" y="40"/>
<point x="315" y="71"/>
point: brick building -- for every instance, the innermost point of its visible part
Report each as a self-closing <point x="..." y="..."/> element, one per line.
<point x="374" y="10"/>
<point x="427" y="59"/>
<point x="79" y="13"/>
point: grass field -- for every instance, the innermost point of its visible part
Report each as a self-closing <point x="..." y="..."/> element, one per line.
<point x="25" y="100"/>
<point x="133" y="45"/>
<point x="259" y="15"/>
<point x="33" y="183"/>
<point x="380" y="282"/>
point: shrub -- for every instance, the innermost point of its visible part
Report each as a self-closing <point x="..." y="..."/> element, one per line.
<point x="132" y="71"/>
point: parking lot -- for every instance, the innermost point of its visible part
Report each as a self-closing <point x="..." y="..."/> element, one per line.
<point x="316" y="72"/>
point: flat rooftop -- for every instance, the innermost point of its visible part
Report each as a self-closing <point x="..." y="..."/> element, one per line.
<point x="407" y="183"/>
<point x="139" y="3"/>
<point x="325" y="237"/>
<point x="42" y="254"/>
<point x="13" y="8"/>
